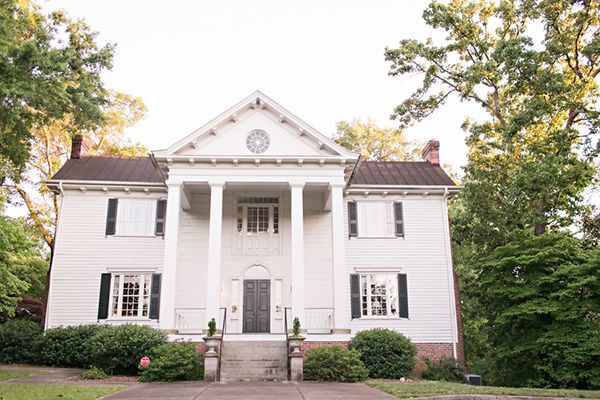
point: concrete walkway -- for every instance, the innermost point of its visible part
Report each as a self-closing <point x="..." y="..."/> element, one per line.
<point x="251" y="391"/>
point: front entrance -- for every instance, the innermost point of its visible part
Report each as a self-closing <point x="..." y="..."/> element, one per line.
<point x="257" y="306"/>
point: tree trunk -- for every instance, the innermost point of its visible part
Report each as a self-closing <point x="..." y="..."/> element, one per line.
<point x="540" y="226"/>
<point x="47" y="286"/>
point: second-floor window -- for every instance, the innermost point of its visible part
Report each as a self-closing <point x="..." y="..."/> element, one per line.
<point x="258" y="215"/>
<point x="136" y="217"/>
<point x="375" y="219"/>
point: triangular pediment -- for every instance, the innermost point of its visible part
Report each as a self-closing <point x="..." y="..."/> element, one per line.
<point x="227" y="134"/>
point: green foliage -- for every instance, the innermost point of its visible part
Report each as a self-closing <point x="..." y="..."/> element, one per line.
<point x="69" y="346"/>
<point x="175" y="361"/>
<point x="93" y="373"/>
<point x="540" y="297"/>
<point x="374" y="142"/>
<point x="296" y="327"/>
<point x="19" y="342"/>
<point x="446" y="369"/>
<point x="212" y="327"/>
<point x="386" y="354"/>
<point x="334" y="364"/>
<point x="120" y="348"/>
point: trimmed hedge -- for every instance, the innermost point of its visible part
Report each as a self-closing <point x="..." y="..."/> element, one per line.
<point x="334" y="363"/>
<point x="20" y="341"/>
<point x="175" y="361"/>
<point x="69" y="346"/>
<point x="387" y="354"/>
<point x="120" y="348"/>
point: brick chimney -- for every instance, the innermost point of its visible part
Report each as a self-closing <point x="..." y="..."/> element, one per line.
<point x="431" y="152"/>
<point x="78" y="146"/>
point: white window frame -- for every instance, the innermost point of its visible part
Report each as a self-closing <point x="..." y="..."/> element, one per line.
<point x="141" y="279"/>
<point x="121" y="224"/>
<point x="391" y="295"/>
<point x="363" y="220"/>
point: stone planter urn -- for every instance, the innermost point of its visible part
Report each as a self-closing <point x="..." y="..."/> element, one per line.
<point x="212" y="345"/>
<point x="295" y="343"/>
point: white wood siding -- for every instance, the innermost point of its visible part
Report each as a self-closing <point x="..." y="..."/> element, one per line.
<point x="83" y="253"/>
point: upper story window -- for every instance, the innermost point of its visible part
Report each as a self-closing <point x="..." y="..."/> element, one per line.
<point x="375" y="219"/>
<point x="257" y="226"/>
<point x="136" y="217"/>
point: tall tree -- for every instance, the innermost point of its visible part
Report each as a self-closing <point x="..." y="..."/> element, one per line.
<point x="51" y="147"/>
<point x="49" y="69"/>
<point x="530" y="161"/>
<point x="374" y="142"/>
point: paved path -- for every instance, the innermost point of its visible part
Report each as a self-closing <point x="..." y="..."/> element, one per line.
<point x="251" y="391"/>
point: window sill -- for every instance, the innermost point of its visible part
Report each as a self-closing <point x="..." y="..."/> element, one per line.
<point x="129" y="319"/>
<point x="381" y="319"/>
<point x="377" y="237"/>
<point x="135" y="236"/>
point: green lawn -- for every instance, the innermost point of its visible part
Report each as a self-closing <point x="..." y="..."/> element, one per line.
<point x="4" y="375"/>
<point x="430" y="388"/>
<point x="19" y="391"/>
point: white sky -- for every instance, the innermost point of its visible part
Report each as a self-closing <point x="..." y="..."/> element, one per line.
<point x="190" y="60"/>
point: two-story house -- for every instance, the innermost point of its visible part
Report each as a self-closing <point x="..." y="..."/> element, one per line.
<point x="258" y="214"/>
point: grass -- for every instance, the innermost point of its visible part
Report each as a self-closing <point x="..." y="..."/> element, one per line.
<point x="431" y="388"/>
<point x="4" y="375"/>
<point x="18" y="391"/>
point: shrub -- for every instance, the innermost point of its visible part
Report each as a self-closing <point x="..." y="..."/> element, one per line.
<point x="175" y="361"/>
<point x="212" y="327"/>
<point x="120" y="348"/>
<point x="334" y="363"/>
<point x="296" y="327"/>
<point x="19" y="341"/>
<point x="69" y="346"/>
<point x="94" y="373"/>
<point x="386" y="354"/>
<point x="446" y="369"/>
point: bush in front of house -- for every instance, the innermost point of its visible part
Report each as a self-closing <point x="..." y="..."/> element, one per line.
<point x="20" y="341"/>
<point x="174" y="361"/>
<point x="120" y="348"/>
<point x="446" y="369"/>
<point x="93" y="373"/>
<point x="387" y="354"/>
<point x="334" y="363"/>
<point x="69" y="346"/>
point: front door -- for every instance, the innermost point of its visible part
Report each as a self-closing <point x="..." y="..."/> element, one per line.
<point x="257" y="305"/>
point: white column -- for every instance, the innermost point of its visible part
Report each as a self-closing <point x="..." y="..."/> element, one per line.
<point x="297" y="246"/>
<point x="340" y="277"/>
<point x="169" y="271"/>
<point x="213" y="274"/>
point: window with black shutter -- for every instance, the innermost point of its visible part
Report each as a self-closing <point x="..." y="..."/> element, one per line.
<point x="161" y="211"/>
<point x="399" y="219"/>
<point x="402" y="296"/>
<point x="352" y="219"/>
<point x="104" y="296"/>
<point x="111" y="216"/>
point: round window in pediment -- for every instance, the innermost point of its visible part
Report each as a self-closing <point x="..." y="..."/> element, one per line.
<point x="258" y="141"/>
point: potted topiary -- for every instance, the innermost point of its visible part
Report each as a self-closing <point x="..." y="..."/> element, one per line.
<point x="212" y="342"/>
<point x="295" y="341"/>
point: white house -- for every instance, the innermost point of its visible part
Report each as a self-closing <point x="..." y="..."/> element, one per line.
<point x="251" y="214"/>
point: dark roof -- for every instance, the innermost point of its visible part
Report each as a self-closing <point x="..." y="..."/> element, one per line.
<point x="106" y="168"/>
<point x="405" y="173"/>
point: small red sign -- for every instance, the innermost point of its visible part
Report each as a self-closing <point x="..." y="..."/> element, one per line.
<point x="145" y="361"/>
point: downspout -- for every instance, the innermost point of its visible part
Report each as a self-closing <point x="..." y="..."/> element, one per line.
<point x="450" y="264"/>
<point x="58" y="219"/>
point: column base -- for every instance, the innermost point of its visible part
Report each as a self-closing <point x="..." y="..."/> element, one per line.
<point x="297" y="368"/>
<point x="210" y="368"/>
<point x="341" y="331"/>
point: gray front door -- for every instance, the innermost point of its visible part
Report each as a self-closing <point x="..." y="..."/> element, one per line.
<point x="257" y="305"/>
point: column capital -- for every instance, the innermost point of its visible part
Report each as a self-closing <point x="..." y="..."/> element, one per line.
<point x="337" y="184"/>
<point x="173" y="184"/>
<point x="297" y="184"/>
<point x="216" y="183"/>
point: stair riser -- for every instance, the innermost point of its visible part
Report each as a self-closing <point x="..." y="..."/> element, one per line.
<point x="254" y="361"/>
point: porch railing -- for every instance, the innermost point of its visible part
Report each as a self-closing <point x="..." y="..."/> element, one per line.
<point x="319" y="320"/>
<point x="190" y="319"/>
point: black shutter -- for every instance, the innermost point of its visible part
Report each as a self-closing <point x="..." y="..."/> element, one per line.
<point x="161" y="210"/>
<point x="155" y="297"/>
<point x="402" y="296"/>
<point x="352" y="219"/>
<point x="355" y="295"/>
<point x="104" y="296"/>
<point x="399" y="218"/>
<point x="111" y="216"/>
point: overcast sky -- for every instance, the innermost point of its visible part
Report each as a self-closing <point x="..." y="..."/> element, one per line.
<point x="322" y="60"/>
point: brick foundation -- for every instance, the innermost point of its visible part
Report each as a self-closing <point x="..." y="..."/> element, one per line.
<point x="201" y="347"/>
<point x="313" y="345"/>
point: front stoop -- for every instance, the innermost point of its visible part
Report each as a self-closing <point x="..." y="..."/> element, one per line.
<point x="254" y="361"/>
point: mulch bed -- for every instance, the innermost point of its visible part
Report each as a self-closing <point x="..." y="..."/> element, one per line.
<point x="110" y="379"/>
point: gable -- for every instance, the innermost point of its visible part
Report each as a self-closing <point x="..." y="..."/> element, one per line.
<point x="225" y="135"/>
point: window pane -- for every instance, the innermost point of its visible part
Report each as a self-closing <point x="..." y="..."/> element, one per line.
<point x="364" y="296"/>
<point x="115" y="295"/>
<point x="378" y="295"/>
<point x="131" y="292"/>
<point x="393" y="294"/>
<point x="252" y="224"/>
<point x="375" y="219"/>
<point x="146" y="295"/>
<point x="275" y="219"/>
<point x="263" y="219"/>
<point x="135" y="217"/>
<point x="240" y="218"/>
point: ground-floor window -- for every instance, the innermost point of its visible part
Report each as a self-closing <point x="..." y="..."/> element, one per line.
<point x="130" y="295"/>
<point x="379" y="295"/>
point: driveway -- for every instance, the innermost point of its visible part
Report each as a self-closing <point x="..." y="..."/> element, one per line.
<point x="251" y="391"/>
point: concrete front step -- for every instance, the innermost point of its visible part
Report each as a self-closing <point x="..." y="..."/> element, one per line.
<point x="254" y="361"/>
